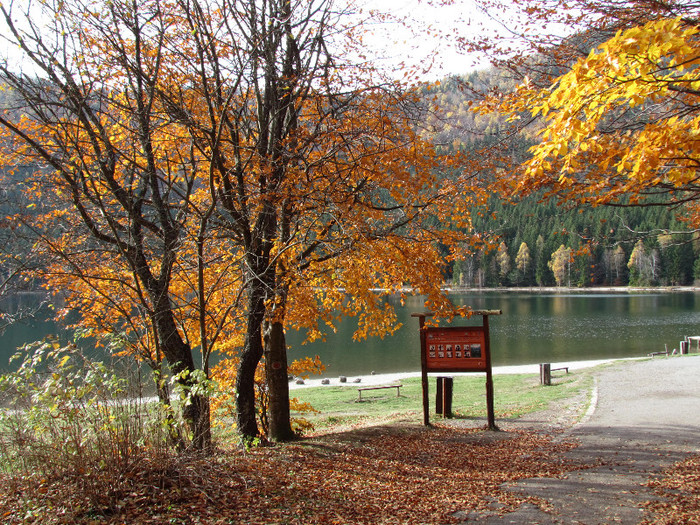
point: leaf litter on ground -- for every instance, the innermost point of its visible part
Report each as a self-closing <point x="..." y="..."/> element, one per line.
<point x="393" y="473"/>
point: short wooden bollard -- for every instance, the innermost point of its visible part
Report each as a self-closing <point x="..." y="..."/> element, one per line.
<point x="443" y="396"/>
<point x="545" y="373"/>
<point x="685" y="347"/>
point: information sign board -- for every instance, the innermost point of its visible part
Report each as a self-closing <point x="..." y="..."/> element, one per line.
<point x="456" y="349"/>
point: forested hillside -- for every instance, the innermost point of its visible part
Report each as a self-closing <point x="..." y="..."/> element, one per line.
<point x="541" y="242"/>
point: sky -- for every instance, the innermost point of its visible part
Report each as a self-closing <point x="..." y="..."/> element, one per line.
<point x="434" y="43"/>
<point x="440" y="23"/>
<point x="391" y="44"/>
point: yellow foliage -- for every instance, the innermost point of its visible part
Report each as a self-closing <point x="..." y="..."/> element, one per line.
<point x="621" y="121"/>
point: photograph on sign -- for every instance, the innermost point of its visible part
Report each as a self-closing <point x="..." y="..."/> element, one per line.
<point x="456" y="349"/>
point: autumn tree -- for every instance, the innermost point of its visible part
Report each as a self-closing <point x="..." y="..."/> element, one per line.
<point x="523" y="261"/>
<point x="504" y="262"/>
<point x="320" y="175"/>
<point x="122" y="209"/>
<point x="560" y="264"/>
<point x="629" y="131"/>
<point x="644" y="265"/>
<point x="241" y="150"/>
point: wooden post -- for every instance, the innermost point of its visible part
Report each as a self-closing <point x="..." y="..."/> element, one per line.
<point x="443" y="398"/>
<point x="490" y="412"/>
<point x="545" y="374"/>
<point x="424" y="372"/>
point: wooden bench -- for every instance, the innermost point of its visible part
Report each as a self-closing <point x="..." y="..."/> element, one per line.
<point x="379" y="387"/>
<point x="665" y="352"/>
<point x="546" y="372"/>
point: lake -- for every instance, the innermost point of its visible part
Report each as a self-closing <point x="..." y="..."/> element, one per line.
<point x="534" y="328"/>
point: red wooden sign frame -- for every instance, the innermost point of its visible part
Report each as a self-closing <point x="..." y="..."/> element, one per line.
<point x="443" y="350"/>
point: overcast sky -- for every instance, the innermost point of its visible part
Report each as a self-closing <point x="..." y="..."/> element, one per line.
<point x="433" y="39"/>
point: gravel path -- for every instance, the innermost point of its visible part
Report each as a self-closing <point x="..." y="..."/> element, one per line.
<point x="644" y="417"/>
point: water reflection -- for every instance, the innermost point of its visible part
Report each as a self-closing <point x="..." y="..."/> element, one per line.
<point x="534" y="328"/>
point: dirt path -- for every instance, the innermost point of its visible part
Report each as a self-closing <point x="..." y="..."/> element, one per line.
<point x="645" y="416"/>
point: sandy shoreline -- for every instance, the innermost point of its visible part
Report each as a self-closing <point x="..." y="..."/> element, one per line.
<point x="382" y="379"/>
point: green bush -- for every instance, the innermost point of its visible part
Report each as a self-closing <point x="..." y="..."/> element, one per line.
<point x="67" y="416"/>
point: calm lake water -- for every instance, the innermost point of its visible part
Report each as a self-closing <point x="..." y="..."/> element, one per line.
<point x="534" y="328"/>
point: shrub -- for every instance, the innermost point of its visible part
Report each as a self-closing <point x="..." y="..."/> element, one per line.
<point x="65" y="415"/>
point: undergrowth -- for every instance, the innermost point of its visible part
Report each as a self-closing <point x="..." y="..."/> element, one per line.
<point x="66" y="416"/>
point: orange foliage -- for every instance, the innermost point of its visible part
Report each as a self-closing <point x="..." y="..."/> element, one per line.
<point x="225" y="186"/>
<point x="619" y="125"/>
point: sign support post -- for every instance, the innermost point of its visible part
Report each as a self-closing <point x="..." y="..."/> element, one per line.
<point x="424" y="371"/>
<point x="457" y="349"/>
<point x="490" y="412"/>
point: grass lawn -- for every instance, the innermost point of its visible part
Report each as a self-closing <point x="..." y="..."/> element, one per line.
<point x="514" y="395"/>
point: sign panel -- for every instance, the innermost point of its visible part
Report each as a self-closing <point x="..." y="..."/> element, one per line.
<point x="456" y="349"/>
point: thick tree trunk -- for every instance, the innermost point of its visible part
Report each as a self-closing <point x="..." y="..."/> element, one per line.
<point x="245" y="387"/>
<point x="262" y="279"/>
<point x="280" y="427"/>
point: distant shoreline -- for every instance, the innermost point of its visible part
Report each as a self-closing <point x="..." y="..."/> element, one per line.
<point x="574" y="289"/>
<point x="557" y="289"/>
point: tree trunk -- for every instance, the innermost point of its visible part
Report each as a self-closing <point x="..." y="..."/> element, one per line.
<point x="250" y="357"/>
<point x="262" y="279"/>
<point x="179" y="356"/>
<point x="201" y="426"/>
<point x="280" y="427"/>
